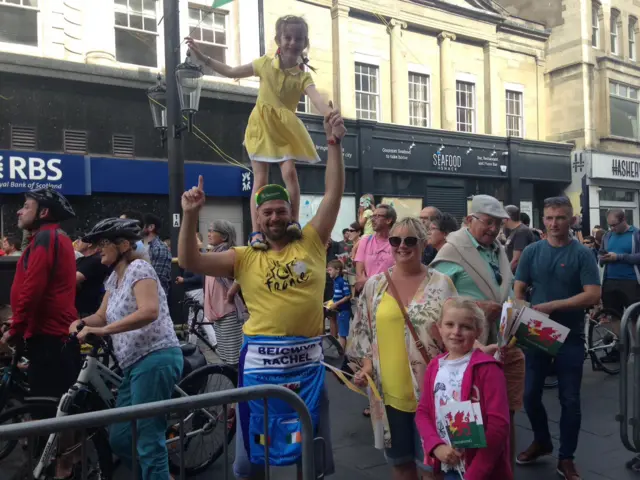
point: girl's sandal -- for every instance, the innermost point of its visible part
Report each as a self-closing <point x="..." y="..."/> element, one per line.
<point x="633" y="464"/>
<point x="294" y="230"/>
<point x="257" y="241"/>
<point x="366" y="412"/>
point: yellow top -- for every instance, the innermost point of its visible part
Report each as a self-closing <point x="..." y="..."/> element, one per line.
<point x="284" y="290"/>
<point x="395" y="373"/>
<point x="368" y="224"/>
<point x="274" y="132"/>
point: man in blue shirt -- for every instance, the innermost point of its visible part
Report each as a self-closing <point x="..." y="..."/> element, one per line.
<point x="341" y="301"/>
<point x="565" y="281"/>
<point x="620" y="256"/>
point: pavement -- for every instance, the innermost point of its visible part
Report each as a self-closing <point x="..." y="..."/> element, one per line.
<point x="600" y="453"/>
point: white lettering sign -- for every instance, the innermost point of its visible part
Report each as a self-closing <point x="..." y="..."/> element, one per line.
<point x="447" y="163"/>
<point x="29" y="169"/>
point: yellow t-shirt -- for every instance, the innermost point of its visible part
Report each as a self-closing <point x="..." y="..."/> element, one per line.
<point x="368" y="224"/>
<point x="284" y="290"/>
<point x="395" y="373"/>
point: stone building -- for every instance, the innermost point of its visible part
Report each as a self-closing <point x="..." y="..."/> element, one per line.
<point x="444" y="99"/>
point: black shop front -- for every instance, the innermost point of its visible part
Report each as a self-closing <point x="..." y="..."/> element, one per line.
<point x="415" y="167"/>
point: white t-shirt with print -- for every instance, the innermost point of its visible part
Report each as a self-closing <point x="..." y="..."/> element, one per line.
<point x="129" y="347"/>
<point x="448" y="386"/>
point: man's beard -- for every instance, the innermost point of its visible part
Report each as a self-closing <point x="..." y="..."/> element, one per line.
<point x="278" y="234"/>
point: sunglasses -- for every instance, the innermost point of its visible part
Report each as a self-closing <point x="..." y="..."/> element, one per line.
<point x="351" y="230"/>
<point x="408" y="241"/>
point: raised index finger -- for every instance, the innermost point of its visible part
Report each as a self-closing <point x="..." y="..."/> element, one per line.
<point x="200" y="182"/>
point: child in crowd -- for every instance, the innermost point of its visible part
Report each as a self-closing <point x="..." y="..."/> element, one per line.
<point x="341" y="299"/>
<point x="365" y="211"/>
<point x="461" y="374"/>
<point x="274" y="133"/>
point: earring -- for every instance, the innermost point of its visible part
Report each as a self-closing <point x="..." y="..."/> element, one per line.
<point x="278" y="51"/>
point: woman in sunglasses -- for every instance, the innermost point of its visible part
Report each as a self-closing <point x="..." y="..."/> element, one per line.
<point x="391" y="338"/>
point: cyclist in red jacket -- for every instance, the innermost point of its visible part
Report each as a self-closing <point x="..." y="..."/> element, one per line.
<point x="43" y="294"/>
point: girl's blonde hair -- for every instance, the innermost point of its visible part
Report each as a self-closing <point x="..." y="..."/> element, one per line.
<point x="468" y="304"/>
<point x="282" y="22"/>
<point x="414" y="225"/>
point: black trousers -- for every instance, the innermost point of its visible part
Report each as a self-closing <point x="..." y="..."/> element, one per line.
<point x="54" y="365"/>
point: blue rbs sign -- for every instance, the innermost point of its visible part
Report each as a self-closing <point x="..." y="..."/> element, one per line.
<point x="23" y="171"/>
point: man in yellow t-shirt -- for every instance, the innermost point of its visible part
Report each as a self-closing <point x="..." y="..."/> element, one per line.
<point x="282" y="286"/>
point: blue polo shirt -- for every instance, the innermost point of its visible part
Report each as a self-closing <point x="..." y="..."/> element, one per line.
<point x="558" y="273"/>
<point x="621" y="243"/>
<point x="341" y="289"/>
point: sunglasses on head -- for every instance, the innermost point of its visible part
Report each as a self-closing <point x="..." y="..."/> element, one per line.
<point x="408" y="241"/>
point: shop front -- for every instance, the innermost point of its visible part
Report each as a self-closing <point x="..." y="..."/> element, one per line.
<point x="611" y="181"/>
<point x="415" y="167"/>
<point x="100" y="187"/>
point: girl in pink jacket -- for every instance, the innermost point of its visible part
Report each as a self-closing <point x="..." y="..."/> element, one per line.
<point x="461" y="374"/>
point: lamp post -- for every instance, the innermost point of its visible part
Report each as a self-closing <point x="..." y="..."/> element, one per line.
<point x="168" y="104"/>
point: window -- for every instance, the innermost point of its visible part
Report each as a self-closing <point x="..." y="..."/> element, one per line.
<point x="465" y="102"/>
<point x="304" y="105"/>
<point x="123" y="145"/>
<point x="633" y="24"/>
<point x="615" y="48"/>
<point x="209" y="29"/>
<point x="628" y="213"/>
<point x="419" y="100"/>
<point x="595" y="25"/>
<point x="23" y="138"/>
<point x="367" y="92"/>
<point x="617" y="195"/>
<point x="136" y="32"/>
<point x="514" y="114"/>
<point x="19" y="22"/>
<point x="624" y="110"/>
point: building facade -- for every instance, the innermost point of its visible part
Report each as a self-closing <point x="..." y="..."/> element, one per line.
<point x="444" y="99"/>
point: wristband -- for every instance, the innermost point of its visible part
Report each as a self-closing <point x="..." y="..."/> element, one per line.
<point x="333" y="141"/>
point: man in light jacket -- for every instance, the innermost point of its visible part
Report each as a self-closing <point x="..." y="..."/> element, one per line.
<point x="478" y="265"/>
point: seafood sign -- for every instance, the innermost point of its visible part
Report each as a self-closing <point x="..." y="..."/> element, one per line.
<point x="537" y="330"/>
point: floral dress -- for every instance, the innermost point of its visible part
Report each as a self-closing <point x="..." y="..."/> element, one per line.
<point x="424" y="310"/>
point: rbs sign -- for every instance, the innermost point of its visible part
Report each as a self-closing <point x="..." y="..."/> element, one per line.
<point x="22" y="171"/>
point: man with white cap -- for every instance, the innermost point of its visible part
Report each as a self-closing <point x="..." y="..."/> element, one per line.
<point x="478" y="265"/>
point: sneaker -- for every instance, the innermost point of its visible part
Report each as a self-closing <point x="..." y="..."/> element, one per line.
<point x="257" y="241"/>
<point x="567" y="469"/>
<point x="294" y="230"/>
<point x="533" y="453"/>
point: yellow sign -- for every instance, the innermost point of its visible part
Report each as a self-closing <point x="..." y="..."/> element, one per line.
<point x="405" y="207"/>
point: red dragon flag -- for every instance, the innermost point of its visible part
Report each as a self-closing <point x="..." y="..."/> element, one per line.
<point x="537" y="330"/>
<point x="464" y="424"/>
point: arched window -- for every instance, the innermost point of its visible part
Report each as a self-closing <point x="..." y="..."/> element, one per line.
<point x="615" y="32"/>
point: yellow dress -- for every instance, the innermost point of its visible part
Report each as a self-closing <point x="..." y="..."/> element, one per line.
<point x="274" y="133"/>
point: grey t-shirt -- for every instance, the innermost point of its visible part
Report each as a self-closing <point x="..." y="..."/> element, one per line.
<point x="518" y="239"/>
<point x="129" y="347"/>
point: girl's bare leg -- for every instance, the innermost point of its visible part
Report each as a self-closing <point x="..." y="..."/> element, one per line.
<point x="290" y="177"/>
<point x="260" y="178"/>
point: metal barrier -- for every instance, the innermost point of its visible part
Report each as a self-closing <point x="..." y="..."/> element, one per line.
<point x="83" y="421"/>
<point x="630" y="345"/>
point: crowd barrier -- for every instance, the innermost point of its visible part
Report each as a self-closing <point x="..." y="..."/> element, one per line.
<point x="630" y="399"/>
<point x="182" y="405"/>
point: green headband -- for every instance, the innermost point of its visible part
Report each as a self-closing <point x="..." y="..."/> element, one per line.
<point x="271" y="192"/>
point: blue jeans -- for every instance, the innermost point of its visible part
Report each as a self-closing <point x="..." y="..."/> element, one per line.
<point x="568" y="365"/>
<point x="148" y="380"/>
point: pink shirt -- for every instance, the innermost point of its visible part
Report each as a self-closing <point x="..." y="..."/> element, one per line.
<point x="215" y="300"/>
<point x="376" y="255"/>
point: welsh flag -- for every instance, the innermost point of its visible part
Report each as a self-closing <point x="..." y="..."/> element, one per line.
<point x="537" y="330"/>
<point x="219" y="3"/>
<point x="464" y="424"/>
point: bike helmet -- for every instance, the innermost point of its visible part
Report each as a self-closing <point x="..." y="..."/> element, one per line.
<point x="113" y="228"/>
<point x="59" y="207"/>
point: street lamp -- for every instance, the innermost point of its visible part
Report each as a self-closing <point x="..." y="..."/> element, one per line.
<point x="157" y="96"/>
<point x="189" y="80"/>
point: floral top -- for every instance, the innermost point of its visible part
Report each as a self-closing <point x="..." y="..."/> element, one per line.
<point x="129" y="347"/>
<point x="424" y="310"/>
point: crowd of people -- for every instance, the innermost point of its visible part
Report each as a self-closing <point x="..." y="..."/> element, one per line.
<point x="415" y="302"/>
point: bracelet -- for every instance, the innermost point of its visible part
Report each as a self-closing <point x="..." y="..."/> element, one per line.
<point x="333" y="141"/>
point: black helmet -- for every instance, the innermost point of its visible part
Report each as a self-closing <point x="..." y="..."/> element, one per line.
<point x="112" y="228"/>
<point x="58" y="206"/>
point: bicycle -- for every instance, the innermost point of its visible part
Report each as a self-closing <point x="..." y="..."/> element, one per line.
<point x="96" y="389"/>
<point x="195" y="333"/>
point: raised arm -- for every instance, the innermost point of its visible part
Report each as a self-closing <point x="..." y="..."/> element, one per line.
<point x="325" y="218"/>
<point x="241" y="71"/>
<point x="318" y="102"/>
<point x="189" y="257"/>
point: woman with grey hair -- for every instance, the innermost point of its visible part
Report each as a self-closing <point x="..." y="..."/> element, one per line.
<point x="222" y="305"/>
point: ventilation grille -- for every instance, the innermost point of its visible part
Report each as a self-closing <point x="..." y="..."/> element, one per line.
<point x="23" y="138"/>
<point x="123" y="145"/>
<point x="75" y="141"/>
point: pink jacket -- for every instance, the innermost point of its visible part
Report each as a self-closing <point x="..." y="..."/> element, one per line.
<point x="483" y="381"/>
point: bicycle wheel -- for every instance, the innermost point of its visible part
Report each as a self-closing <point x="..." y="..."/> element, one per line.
<point x="333" y="351"/>
<point x="204" y="428"/>
<point x="22" y="461"/>
<point x="603" y="341"/>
